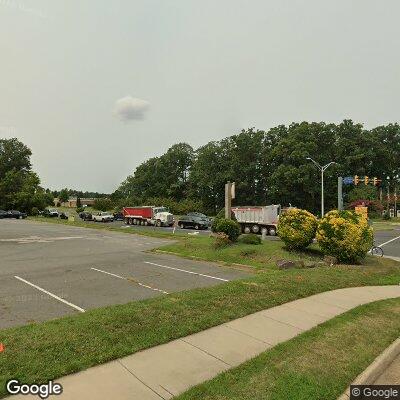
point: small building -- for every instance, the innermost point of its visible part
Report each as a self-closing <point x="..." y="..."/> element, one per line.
<point x="71" y="203"/>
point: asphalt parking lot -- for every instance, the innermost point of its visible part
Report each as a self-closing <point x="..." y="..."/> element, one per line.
<point x="49" y="271"/>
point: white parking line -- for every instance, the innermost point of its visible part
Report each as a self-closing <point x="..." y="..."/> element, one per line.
<point x="389" y="241"/>
<point x="188" y="272"/>
<point x="133" y="280"/>
<point x="50" y="294"/>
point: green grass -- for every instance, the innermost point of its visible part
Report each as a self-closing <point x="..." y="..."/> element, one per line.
<point x="381" y="225"/>
<point x="39" y="352"/>
<point x="319" y="364"/>
<point x="258" y="256"/>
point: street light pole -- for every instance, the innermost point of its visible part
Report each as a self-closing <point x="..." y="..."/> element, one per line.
<point x="322" y="169"/>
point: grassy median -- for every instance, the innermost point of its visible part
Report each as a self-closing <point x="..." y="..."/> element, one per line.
<point x="319" y="364"/>
<point x="259" y="256"/>
<point x="39" y="352"/>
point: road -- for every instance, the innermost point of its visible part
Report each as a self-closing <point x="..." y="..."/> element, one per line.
<point x="51" y="270"/>
<point x="389" y="241"/>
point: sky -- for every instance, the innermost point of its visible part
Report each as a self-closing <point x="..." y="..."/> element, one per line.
<point x="96" y="87"/>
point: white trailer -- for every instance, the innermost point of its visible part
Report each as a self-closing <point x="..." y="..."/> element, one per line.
<point x="258" y="219"/>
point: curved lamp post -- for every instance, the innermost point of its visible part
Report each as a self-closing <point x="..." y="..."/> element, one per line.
<point x="322" y="169"/>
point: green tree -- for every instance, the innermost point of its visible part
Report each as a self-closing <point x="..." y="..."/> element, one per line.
<point x="103" y="204"/>
<point x="63" y="196"/>
<point x="362" y="192"/>
<point x="19" y="186"/>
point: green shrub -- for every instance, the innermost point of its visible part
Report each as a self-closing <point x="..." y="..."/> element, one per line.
<point x="219" y="216"/>
<point x="297" y="228"/>
<point x="34" y="211"/>
<point x="79" y="209"/>
<point x="386" y="216"/>
<point x="221" y="240"/>
<point x="344" y="235"/>
<point x="250" y="238"/>
<point x="229" y="227"/>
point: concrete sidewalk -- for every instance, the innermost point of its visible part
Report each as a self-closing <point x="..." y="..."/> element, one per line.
<point x="164" y="371"/>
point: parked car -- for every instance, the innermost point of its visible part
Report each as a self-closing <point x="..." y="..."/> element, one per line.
<point x="104" y="216"/>
<point x="191" y="221"/>
<point x="3" y="214"/>
<point x="16" y="214"/>
<point x="118" y="216"/>
<point x="63" y="215"/>
<point x="86" y="216"/>
<point x="200" y="215"/>
<point x="50" y="213"/>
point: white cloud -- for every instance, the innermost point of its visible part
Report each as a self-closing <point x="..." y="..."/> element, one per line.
<point x="130" y="108"/>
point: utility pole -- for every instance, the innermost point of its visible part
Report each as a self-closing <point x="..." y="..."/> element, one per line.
<point x="322" y="169"/>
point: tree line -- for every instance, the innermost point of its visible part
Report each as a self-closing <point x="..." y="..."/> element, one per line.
<point x="19" y="186"/>
<point x="269" y="167"/>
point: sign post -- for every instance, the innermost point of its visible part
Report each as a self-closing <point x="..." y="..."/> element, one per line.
<point x="229" y="195"/>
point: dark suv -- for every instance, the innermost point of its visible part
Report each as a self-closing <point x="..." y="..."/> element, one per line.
<point x="191" y="221"/>
<point x="3" y="214"/>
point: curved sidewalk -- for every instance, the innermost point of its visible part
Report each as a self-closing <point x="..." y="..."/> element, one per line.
<point x="164" y="371"/>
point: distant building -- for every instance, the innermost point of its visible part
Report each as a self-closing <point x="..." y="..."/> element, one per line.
<point x="71" y="203"/>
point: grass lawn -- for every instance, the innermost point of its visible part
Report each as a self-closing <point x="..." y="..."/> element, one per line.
<point x="39" y="352"/>
<point x="258" y="256"/>
<point x="319" y="364"/>
<point x="382" y="225"/>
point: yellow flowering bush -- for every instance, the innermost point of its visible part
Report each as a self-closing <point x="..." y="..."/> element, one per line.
<point x="344" y="235"/>
<point x="297" y="228"/>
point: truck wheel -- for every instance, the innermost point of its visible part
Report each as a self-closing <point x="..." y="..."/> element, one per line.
<point x="264" y="231"/>
<point x="247" y="229"/>
<point x="272" y="231"/>
<point x="196" y="227"/>
<point x="145" y="223"/>
<point x="255" y="229"/>
<point x="158" y="223"/>
<point x="181" y="226"/>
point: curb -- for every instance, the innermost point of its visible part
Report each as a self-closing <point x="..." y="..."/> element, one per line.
<point x="375" y="370"/>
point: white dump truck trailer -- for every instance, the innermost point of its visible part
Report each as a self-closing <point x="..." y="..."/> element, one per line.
<point x="263" y="219"/>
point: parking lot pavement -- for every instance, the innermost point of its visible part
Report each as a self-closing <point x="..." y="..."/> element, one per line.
<point x="48" y="271"/>
<point x="389" y="241"/>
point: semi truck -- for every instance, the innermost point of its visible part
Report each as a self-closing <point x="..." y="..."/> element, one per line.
<point x="147" y="215"/>
<point x="263" y="219"/>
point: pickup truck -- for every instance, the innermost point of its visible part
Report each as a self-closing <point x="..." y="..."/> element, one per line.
<point x="103" y="217"/>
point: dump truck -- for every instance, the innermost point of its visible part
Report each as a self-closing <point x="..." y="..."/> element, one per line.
<point x="258" y="219"/>
<point x="147" y="215"/>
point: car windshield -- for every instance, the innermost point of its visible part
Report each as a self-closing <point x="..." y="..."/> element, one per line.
<point x="160" y="209"/>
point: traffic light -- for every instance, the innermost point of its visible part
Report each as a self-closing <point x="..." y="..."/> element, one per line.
<point x="356" y="179"/>
<point x="366" y="180"/>
<point x="377" y="182"/>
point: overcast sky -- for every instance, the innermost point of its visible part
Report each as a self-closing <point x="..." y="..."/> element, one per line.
<point x="95" y="87"/>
